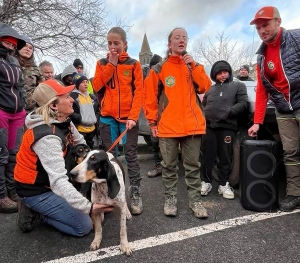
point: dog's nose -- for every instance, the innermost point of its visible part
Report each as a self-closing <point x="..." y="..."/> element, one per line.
<point x="74" y="173"/>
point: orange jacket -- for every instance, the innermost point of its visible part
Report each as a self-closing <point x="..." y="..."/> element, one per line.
<point x="171" y="102"/>
<point x="123" y="86"/>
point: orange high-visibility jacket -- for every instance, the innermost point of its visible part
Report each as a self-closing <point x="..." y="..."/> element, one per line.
<point x="123" y="86"/>
<point x="171" y="101"/>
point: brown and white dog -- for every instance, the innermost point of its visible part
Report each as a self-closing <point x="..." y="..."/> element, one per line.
<point x="107" y="175"/>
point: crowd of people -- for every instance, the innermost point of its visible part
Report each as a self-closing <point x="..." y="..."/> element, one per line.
<point x="42" y="116"/>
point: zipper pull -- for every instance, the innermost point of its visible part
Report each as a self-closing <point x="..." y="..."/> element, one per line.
<point x="221" y="93"/>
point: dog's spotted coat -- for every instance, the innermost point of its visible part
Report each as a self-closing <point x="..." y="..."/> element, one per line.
<point x="108" y="187"/>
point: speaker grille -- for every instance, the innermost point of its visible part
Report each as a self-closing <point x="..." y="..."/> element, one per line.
<point x="261" y="194"/>
<point x="261" y="164"/>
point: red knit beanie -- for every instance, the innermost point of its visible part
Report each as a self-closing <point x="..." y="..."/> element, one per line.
<point x="9" y="39"/>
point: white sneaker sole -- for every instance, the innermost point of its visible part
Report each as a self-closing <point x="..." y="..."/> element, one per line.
<point x="227" y="196"/>
<point x="207" y="191"/>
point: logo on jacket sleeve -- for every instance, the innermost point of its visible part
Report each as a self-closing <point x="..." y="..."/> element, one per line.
<point x="170" y="81"/>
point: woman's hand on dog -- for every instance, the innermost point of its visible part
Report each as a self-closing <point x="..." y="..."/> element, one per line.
<point x="100" y="208"/>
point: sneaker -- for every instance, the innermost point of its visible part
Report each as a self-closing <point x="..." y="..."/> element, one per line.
<point x="289" y="203"/>
<point x="136" y="203"/>
<point x="198" y="209"/>
<point x="170" y="207"/>
<point x="205" y="188"/>
<point x="12" y="195"/>
<point x="26" y="218"/>
<point x="7" y="205"/>
<point x="226" y="191"/>
<point x="156" y="171"/>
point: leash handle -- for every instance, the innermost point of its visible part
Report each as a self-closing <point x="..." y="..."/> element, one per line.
<point x="117" y="140"/>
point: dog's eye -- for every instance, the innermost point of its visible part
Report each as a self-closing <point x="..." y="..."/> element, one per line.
<point x="80" y="150"/>
<point x="92" y="157"/>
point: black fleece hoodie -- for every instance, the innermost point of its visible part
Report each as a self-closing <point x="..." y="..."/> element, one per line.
<point x="224" y="101"/>
<point x="12" y="93"/>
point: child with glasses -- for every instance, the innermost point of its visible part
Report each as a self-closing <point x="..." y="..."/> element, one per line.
<point x="173" y="110"/>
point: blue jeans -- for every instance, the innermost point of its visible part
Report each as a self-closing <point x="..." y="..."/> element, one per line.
<point x="57" y="212"/>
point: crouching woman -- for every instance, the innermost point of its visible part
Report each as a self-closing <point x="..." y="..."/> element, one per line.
<point x="42" y="183"/>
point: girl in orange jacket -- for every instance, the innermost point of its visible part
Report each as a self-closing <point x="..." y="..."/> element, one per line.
<point x="119" y="82"/>
<point x="173" y="110"/>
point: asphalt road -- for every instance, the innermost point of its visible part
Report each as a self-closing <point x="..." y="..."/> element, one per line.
<point x="230" y="234"/>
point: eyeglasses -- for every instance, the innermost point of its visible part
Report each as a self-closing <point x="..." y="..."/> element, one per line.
<point x="8" y="45"/>
<point x="184" y="38"/>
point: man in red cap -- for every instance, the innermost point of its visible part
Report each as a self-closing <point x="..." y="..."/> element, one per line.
<point x="278" y="78"/>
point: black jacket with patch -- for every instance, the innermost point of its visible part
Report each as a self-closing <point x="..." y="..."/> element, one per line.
<point x="224" y="102"/>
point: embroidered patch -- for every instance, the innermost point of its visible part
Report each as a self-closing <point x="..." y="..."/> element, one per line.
<point x="127" y="73"/>
<point x="170" y="81"/>
<point x="227" y="139"/>
<point x="271" y="65"/>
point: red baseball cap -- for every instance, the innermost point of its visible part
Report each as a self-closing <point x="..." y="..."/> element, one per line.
<point x="48" y="90"/>
<point x="266" y="12"/>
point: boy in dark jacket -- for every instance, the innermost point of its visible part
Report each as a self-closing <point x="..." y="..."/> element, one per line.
<point x="223" y="103"/>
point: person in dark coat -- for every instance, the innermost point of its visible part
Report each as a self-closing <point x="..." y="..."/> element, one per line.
<point x="157" y="169"/>
<point x="244" y="73"/>
<point x="12" y="114"/>
<point x="223" y="103"/>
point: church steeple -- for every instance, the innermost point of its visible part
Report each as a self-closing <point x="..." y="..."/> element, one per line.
<point x="145" y="54"/>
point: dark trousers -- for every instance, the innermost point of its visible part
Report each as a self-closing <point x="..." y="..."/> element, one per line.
<point x="89" y="138"/>
<point x="156" y="150"/>
<point x="217" y="143"/>
<point x="110" y="129"/>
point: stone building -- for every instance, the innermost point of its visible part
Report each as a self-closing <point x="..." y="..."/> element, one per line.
<point x="145" y="54"/>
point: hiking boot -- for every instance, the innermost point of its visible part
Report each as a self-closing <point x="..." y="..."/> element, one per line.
<point x="136" y="203"/>
<point x="205" y="188"/>
<point x="156" y="171"/>
<point x="170" y="207"/>
<point x="198" y="209"/>
<point x="7" y="205"/>
<point x="12" y="195"/>
<point x="226" y="191"/>
<point x="26" y="218"/>
<point x="289" y="203"/>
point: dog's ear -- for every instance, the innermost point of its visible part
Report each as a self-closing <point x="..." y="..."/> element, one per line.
<point x="112" y="181"/>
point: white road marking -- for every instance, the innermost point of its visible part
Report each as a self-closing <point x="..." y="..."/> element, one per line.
<point x="169" y="238"/>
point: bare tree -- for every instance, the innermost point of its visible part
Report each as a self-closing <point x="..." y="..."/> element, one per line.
<point x="223" y="48"/>
<point x="63" y="29"/>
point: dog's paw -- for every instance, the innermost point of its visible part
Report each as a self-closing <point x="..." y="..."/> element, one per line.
<point x="126" y="250"/>
<point x="95" y="245"/>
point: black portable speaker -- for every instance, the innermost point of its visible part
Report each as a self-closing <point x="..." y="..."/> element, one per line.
<point x="258" y="176"/>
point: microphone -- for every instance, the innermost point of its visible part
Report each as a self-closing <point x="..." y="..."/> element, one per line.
<point x="184" y="53"/>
